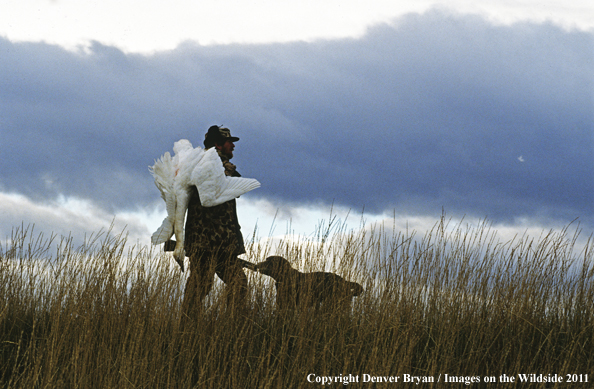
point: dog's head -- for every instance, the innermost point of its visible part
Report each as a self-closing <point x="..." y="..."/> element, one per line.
<point x="274" y="266"/>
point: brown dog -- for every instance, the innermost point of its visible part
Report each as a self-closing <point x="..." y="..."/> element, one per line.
<point x="318" y="289"/>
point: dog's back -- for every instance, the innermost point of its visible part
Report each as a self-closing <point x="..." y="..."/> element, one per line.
<point x="318" y="289"/>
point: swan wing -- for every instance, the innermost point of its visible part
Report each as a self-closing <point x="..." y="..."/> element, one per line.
<point x="163" y="172"/>
<point x="214" y="187"/>
<point x="231" y="188"/>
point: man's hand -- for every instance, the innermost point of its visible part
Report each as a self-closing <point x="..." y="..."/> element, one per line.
<point x="169" y="245"/>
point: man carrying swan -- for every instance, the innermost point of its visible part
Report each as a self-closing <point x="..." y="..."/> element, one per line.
<point x="204" y="184"/>
<point x="213" y="238"/>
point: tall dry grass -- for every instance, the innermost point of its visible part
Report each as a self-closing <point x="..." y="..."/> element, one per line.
<point x="455" y="301"/>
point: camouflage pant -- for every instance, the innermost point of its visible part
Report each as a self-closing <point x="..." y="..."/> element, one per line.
<point x="203" y="267"/>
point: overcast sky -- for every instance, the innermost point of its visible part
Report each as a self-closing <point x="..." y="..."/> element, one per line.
<point x="409" y="110"/>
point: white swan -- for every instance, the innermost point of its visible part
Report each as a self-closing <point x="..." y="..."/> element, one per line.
<point x="175" y="176"/>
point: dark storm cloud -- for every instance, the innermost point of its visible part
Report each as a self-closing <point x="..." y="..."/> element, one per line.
<point x="433" y="111"/>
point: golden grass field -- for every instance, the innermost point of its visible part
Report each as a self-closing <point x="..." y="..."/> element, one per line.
<point x="455" y="301"/>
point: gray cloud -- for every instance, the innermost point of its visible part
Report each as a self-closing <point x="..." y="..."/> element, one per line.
<point x="431" y="111"/>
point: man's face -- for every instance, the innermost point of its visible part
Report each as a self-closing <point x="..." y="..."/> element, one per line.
<point x="227" y="148"/>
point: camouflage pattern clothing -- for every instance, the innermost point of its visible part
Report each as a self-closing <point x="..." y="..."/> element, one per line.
<point x="213" y="229"/>
<point x="212" y="242"/>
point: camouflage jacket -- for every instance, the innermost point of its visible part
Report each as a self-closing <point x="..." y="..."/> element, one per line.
<point x="209" y="229"/>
